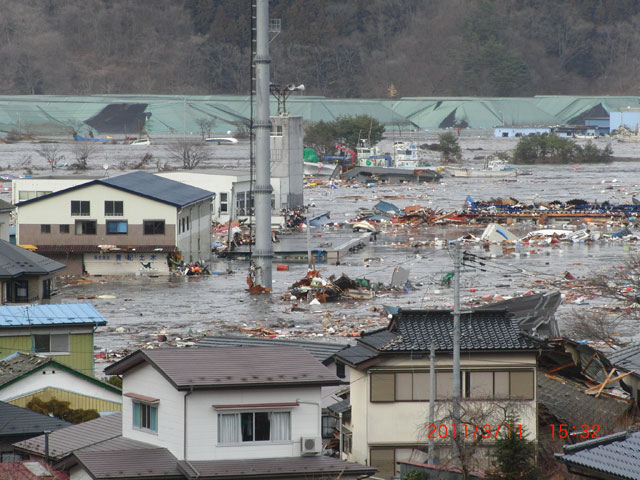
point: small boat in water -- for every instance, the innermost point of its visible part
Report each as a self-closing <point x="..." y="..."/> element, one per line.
<point x="492" y="169"/>
<point x="222" y="140"/>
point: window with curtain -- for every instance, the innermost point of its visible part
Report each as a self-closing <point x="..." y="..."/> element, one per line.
<point x="145" y="416"/>
<point x="254" y="427"/>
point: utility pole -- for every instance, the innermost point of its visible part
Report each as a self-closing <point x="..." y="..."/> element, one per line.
<point x="457" y="261"/>
<point x="432" y="400"/>
<point x="263" y="253"/>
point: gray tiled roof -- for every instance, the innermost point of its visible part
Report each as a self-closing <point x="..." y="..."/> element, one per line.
<point x="151" y="462"/>
<point x="144" y="184"/>
<point x="16" y="261"/>
<point x="273" y="468"/>
<point x="480" y="330"/>
<point x="234" y="367"/>
<point x="63" y="442"/>
<point x="566" y="401"/>
<point x="355" y="355"/>
<point x="18" y="421"/>
<point x="321" y="351"/>
<point x="415" y="330"/>
<point x="627" y="357"/>
<point x="613" y="456"/>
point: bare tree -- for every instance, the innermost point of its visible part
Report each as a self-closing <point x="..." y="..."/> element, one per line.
<point x="189" y="152"/>
<point x="51" y="154"/>
<point x="206" y="124"/>
<point x="477" y="424"/>
<point x="83" y="151"/>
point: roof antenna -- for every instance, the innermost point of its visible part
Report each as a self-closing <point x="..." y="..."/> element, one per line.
<point x="105" y="166"/>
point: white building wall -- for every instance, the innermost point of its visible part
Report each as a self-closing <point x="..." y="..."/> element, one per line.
<point x="147" y="381"/>
<point x="58" y="208"/>
<point x="203" y="421"/>
<point x="78" y="473"/>
<point x="56" y="378"/>
<point x="359" y="398"/>
<point x="36" y="186"/>
<point x="5" y="224"/>
<point x="195" y="242"/>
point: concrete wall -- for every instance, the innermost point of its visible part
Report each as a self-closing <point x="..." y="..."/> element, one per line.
<point x="287" y="156"/>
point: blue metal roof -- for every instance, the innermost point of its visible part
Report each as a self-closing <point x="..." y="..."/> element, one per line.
<point x="144" y="184"/>
<point x="158" y="188"/>
<point x="59" y="314"/>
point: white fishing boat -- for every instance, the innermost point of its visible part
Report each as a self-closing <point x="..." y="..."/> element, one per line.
<point x="492" y="169"/>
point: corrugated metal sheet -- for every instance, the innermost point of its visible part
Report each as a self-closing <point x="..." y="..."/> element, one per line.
<point x="63" y="442"/>
<point x="55" y="115"/>
<point x="75" y="400"/>
<point x="234" y="366"/>
<point x="59" y="314"/>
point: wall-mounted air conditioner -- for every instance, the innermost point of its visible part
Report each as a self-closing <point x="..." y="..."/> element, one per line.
<point x="311" y="445"/>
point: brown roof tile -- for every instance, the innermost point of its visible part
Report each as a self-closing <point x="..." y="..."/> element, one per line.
<point x="226" y="367"/>
<point x="152" y="462"/>
<point x="272" y="468"/>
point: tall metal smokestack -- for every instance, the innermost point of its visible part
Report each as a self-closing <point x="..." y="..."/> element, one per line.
<point x="263" y="252"/>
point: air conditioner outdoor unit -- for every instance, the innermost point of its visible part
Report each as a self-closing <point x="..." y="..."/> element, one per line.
<point x="311" y="445"/>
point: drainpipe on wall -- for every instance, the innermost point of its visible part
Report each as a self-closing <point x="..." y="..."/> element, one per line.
<point x="197" y="474"/>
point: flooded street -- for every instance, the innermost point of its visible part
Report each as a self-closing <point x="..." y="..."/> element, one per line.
<point x="143" y="308"/>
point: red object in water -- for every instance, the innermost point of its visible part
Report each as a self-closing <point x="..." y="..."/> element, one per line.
<point x="472" y="290"/>
<point x="282" y="268"/>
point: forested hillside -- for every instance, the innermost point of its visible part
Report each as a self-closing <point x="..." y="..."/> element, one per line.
<point x="337" y="48"/>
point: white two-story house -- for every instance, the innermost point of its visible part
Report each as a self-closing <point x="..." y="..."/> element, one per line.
<point x="391" y="386"/>
<point x="127" y="224"/>
<point x="207" y="413"/>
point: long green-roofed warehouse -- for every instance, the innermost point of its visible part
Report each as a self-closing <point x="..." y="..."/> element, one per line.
<point x="167" y="114"/>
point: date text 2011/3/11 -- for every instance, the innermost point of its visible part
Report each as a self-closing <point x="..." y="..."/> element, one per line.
<point x="435" y="431"/>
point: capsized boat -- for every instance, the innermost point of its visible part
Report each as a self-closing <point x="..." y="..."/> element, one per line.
<point x="222" y="140"/>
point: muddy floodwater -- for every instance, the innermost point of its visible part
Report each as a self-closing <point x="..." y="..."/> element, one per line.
<point x="140" y="309"/>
